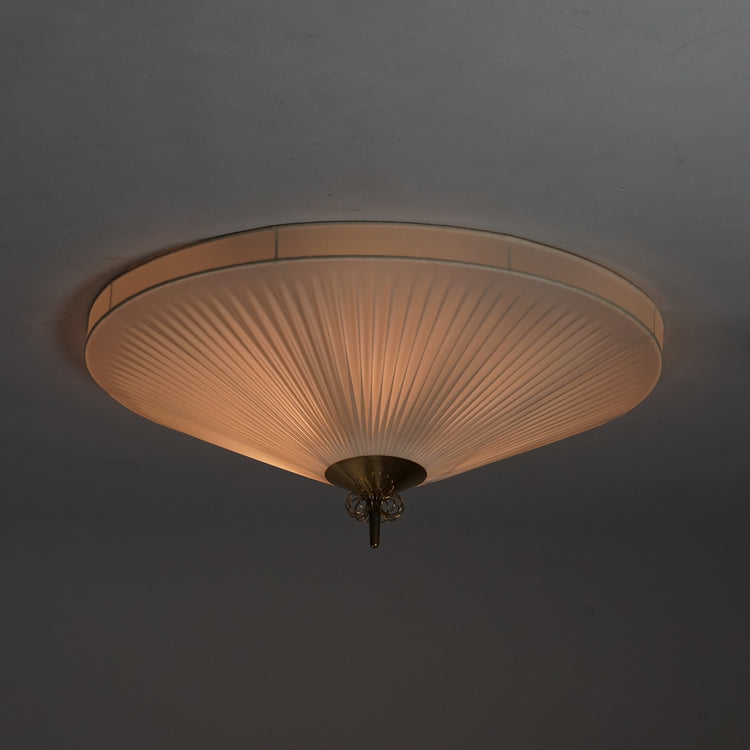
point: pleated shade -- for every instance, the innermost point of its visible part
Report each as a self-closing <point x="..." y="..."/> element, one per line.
<point x="304" y="345"/>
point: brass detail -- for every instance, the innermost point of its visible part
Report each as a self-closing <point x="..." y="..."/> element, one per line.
<point x="374" y="481"/>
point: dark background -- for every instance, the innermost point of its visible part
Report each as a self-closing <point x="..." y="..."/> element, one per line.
<point x="159" y="592"/>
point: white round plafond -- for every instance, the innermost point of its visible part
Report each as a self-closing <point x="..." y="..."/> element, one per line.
<point x="305" y="345"/>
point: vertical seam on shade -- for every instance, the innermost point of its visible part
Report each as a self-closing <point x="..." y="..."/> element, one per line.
<point x="109" y="304"/>
<point x="275" y="244"/>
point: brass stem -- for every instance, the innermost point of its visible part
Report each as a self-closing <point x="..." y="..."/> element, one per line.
<point x="374" y="522"/>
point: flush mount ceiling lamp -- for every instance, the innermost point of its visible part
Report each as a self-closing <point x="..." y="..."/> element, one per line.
<point x="371" y="356"/>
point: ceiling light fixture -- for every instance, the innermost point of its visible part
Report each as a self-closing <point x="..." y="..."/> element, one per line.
<point x="374" y="356"/>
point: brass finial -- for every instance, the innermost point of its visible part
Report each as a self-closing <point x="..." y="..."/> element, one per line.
<point x="374" y="482"/>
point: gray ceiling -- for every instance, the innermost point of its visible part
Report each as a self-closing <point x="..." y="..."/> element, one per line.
<point x="162" y="593"/>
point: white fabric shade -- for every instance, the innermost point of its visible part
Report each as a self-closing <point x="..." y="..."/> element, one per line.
<point x="302" y="360"/>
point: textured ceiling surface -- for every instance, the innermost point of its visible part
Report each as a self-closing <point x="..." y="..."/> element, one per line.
<point x="160" y="592"/>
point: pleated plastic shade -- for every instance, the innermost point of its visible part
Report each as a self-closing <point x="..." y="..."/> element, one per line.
<point x="304" y="345"/>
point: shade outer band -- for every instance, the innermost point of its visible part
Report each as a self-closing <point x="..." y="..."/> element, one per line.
<point x="352" y="473"/>
<point x="399" y="241"/>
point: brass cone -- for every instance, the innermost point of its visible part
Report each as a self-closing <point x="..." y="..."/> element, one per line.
<point x="373" y="471"/>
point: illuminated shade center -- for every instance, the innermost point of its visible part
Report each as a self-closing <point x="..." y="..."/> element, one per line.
<point x="306" y="345"/>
